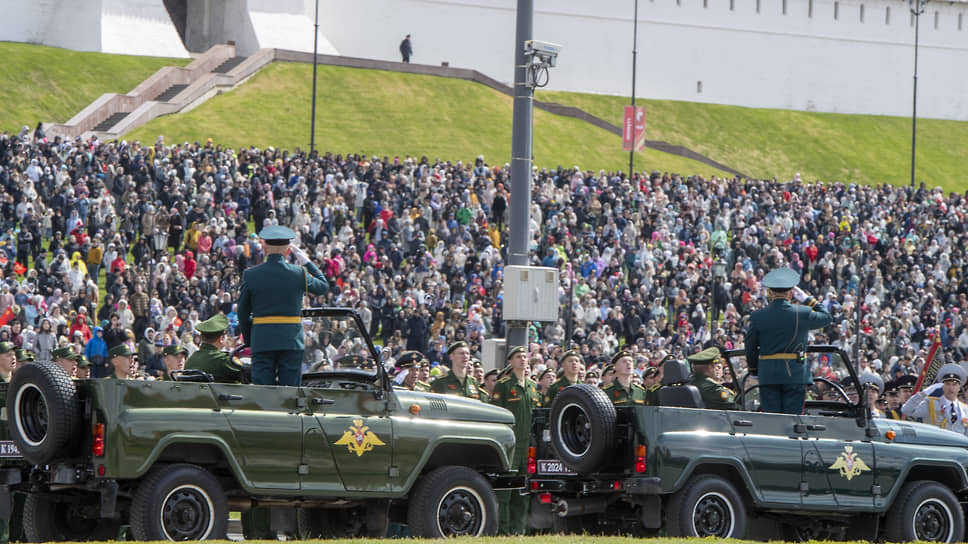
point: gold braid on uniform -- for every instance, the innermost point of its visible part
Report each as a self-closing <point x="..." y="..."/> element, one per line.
<point x="773" y="294"/>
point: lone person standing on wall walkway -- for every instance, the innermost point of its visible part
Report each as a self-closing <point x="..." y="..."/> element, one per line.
<point x="406" y="50"/>
<point x="270" y="308"/>
<point x="777" y="335"/>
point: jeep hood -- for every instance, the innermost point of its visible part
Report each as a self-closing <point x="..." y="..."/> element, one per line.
<point x="435" y="406"/>
<point x="910" y="432"/>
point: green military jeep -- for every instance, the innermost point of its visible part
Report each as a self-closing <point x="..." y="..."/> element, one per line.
<point x="343" y="455"/>
<point x="833" y="473"/>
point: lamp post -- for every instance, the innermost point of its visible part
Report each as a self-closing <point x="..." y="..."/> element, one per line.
<point x="917" y="8"/>
<point x="312" y="123"/>
<point x="719" y="273"/>
<point x="635" y="40"/>
<point x="159" y="246"/>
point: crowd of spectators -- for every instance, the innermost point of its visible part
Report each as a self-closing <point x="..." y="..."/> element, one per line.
<point x="126" y="242"/>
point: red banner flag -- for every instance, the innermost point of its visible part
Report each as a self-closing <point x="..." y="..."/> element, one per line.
<point x="931" y="365"/>
<point x="7" y="316"/>
<point x="19" y="268"/>
<point x="633" y="129"/>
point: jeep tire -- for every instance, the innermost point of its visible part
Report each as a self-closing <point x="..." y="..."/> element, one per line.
<point x="582" y="427"/>
<point x="925" y="510"/>
<point x="707" y="505"/>
<point x="452" y="501"/>
<point x="44" y="412"/>
<point x="179" y="502"/>
<point x="48" y="517"/>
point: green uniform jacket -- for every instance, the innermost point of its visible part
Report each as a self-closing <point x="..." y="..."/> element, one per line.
<point x="556" y="388"/>
<point x="216" y="362"/>
<point x="714" y="395"/>
<point x="418" y="386"/>
<point x="621" y="396"/>
<point x="520" y="400"/>
<point x="276" y="288"/>
<point x="782" y="327"/>
<point x="450" y="385"/>
<point x="652" y="394"/>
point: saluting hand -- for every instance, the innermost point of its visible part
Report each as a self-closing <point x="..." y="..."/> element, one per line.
<point x="299" y="254"/>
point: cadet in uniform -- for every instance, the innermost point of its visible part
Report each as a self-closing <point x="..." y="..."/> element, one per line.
<point x="519" y="394"/>
<point x="63" y="356"/>
<point x="938" y="404"/>
<point x="409" y="362"/>
<point x="122" y="362"/>
<point x="8" y="360"/>
<point x="707" y="369"/>
<point x="174" y="358"/>
<point x="571" y="364"/>
<point x="458" y="382"/>
<point x="210" y="358"/>
<point x="622" y="392"/>
<point x="905" y="387"/>
<point x="777" y="336"/>
<point x="83" y="370"/>
<point x="892" y="395"/>
<point x="270" y="308"/>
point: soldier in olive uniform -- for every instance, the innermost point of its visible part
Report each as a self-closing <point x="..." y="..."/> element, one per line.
<point x="63" y="356"/>
<point x="270" y="308"/>
<point x="83" y="370"/>
<point x="8" y="360"/>
<point x="622" y="392"/>
<point x="519" y="394"/>
<point x="571" y="365"/>
<point x="409" y="362"/>
<point x="652" y="382"/>
<point x="707" y="369"/>
<point x="174" y="358"/>
<point x="458" y="382"/>
<point x="24" y="356"/>
<point x="122" y="362"/>
<point x="893" y="409"/>
<point x="777" y="339"/>
<point x="210" y="358"/>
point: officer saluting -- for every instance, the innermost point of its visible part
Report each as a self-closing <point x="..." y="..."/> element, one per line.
<point x="707" y="367"/>
<point x="777" y="336"/>
<point x="938" y="404"/>
<point x="270" y="308"/>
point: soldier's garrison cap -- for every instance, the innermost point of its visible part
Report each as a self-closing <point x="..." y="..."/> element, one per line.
<point x="951" y="371"/>
<point x="6" y="347"/>
<point x="174" y="349"/>
<point x="277" y="235"/>
<point x="82" y="361"/>
<point x="455" y="345"/>
<point x="120" y="350"/>
<point x="24" y="355"/>
<point x="214" y="324"/>
<point x="409" y="359"/>
<point x="707" y="356"/>
<point x="516" y="350"/>
<point x="621" y="353"/>
<point x="781" y="278"/>
<point x="65" y="352"/>
<point x="906" y="382"/>
<point x="570" y="353"/>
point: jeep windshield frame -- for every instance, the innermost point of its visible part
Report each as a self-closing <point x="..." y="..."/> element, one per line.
<point x="383" y="379"/>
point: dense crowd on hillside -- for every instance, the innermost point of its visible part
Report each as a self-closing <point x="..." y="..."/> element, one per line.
<point x="417" y="244"/>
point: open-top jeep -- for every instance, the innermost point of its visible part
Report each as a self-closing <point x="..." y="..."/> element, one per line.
<point x="834" y="472"/>
<point x="343" y="455"/>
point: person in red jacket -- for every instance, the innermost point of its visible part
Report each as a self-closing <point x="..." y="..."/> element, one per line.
<point x="80" y="325"/>
<point x="190" y="264"/>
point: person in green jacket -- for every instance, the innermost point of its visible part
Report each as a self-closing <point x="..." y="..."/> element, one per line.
<point x="707" y="376"/>
<point x="458" y="382"/>
<point x="122" y="363"/>
<point x="623" y="391"/>
<point x="571" y="365"/>
<point x="174" y="358"/>
<point x="209" y="357"/>
<point x="519" y="394"/>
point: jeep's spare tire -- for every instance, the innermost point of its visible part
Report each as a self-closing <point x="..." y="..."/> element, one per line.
<point x="43" y="412"/>
<point x="582" y="427"/>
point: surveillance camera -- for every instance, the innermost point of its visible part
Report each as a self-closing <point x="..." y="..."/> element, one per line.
<point x="544" y="52"/>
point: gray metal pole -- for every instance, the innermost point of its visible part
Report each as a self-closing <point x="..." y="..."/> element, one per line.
<point x="517" y="332"/>
<point x="635" y="42"/>
<point x="312" y="124"/>
<point x="917" y="8"/>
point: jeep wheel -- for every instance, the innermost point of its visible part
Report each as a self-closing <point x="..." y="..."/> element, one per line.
<point x="44" y="413"/>
<point x="452" y="501"/>
<point x="925" y="510"/>
<point x="49" y="517"/>
<point x="179" y="502"/>
<point x="582" y="427"/>
<point x="707" y="506"/>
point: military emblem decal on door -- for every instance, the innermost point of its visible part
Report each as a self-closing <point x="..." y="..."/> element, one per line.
<point x="359" y="439"/>
<point x="849" y="464"/>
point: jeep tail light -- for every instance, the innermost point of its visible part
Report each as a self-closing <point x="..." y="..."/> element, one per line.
<point x="544" y="498"/>
<point x="640" y="458"/>
<point x="534" y="485"/>
<point x="98" y="446"/>
<point x="532" y="462"/>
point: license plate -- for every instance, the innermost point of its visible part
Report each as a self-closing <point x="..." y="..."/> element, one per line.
<point x="553" y="466"/>
<point x="9" y="450"/>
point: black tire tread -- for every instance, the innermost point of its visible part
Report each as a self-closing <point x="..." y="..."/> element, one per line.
<point x="894" y="529"/>
<point x="147" y="490"/>
<point x="35" y="528"/>
<point x="601" y="413"/>
<point x="39" y="525"/>
<point x="421" y="510"/>
<point x="63" y="412"/>
<point x="674" y="510"/>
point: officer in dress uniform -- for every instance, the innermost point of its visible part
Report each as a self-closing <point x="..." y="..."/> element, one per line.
<point x="875" y="384"/>
<point x="622" y="392"/>
<point x="519" y="394"/>
<point x="63" y="356"/>
<point x="409" y="362"/>
<point x="776" y="341"/>
<point x="458" y="382"/>
<point x="707" y="368"/>
<point x="209" y="357"/>
<point x="893" y="410"/>
<point x="571" y="365"/>
<point x="8" y="360"/>
<point x="938" y="404"/>
<point x="270" y="308"/>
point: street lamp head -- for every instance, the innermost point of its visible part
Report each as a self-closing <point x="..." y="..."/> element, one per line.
<point x="917" y="6"/>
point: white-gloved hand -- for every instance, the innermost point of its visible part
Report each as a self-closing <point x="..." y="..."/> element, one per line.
<point x="800" y="295"/>
<point x="933" y="390"/>
<point x="299" y="254"/>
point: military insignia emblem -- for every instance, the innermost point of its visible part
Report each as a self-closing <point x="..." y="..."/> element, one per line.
<point x="359" y="439"/>
<point x="451" y="386"/>
<point x="723" y="395"/>
<point x="849" y="464"/>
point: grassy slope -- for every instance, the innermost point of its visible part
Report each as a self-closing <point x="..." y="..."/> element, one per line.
<point x="50" y="84"/>
<point x="393" y="114"/>
<point x="766" y="143"/>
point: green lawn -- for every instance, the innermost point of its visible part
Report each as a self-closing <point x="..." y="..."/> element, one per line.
<point x="52" y="85"/>
<point x="766" y="143"/>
